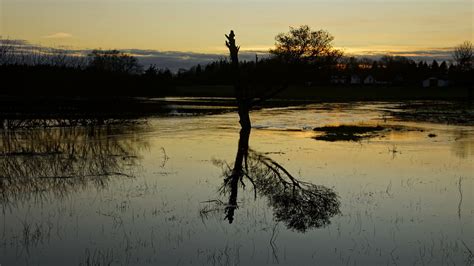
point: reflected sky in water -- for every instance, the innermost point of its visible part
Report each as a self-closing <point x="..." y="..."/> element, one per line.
<point x="134" y="194"/>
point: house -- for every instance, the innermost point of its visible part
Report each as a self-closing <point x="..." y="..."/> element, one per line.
<point x="434" y="82"/>
<point x="383" y="82"/>
<point x="355" y="79"/>
<point x="338" y="79"/>
<point x="369" y="80"/>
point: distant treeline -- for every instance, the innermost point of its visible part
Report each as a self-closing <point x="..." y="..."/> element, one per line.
<point x="312" y="62"/>
<point x="388" y="70"/>
<point x="103" y="73"/>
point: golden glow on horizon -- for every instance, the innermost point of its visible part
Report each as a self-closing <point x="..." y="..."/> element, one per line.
<point x="199" y="26"/>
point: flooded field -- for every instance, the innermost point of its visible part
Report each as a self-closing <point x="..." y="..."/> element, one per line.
<point x="159" y="191"/>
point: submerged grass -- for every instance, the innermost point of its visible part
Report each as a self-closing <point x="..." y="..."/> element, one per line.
<point x="347" y="132"/>
<point x="360" y="132"/>
<point x="441" y="112"/>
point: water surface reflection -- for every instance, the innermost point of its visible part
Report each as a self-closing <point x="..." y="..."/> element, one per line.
<point x="115" y="193"/>
<point x="39" y="161"/>
<point x="299" y="205"/>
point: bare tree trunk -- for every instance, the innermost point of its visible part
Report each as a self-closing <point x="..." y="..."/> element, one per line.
<point x="243" y="103"/>
<point x="238" y="172"/>
<point x="243" y="106"/>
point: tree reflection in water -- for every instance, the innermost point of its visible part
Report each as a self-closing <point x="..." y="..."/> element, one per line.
<point x="37" y="162"/>
<point x="299" y="205"/>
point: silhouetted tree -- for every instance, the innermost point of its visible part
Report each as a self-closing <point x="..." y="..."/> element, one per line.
<point x="302" y="44"/>
<point x="298" y="204"/>
<point x="352" y="64"/>
<point x="463" y="55"/>
<point x="151" y="71"/>
<point x="198" y="70"/>
<point x="6" y="51"/>
<point x="443" y="68"/>
<point x="398" y="68"/>
<point x="244" y="98"/>
<point x="114" y="61"/>
<point x="434" y="67"/>
<point x="462" y="74"/>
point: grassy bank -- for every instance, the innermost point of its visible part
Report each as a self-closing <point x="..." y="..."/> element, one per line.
<point x="338" y="93"/>
<point x="77" y="107"/>
<point x="12" y="107"/>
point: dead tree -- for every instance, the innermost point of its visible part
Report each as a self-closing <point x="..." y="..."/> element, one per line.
<point x="300" y="205"/>
<point x="245" y="101"/>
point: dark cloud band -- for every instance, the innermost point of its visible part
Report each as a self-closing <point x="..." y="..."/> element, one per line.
<point x="175" y="60"/>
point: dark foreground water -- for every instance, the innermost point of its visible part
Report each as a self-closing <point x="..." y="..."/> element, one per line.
<point x="153" y="193"/>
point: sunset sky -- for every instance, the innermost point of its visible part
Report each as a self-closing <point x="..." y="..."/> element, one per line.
<point x="200" y="25"/>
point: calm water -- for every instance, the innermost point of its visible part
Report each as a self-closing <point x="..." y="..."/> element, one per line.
<point x="151" y="194"/>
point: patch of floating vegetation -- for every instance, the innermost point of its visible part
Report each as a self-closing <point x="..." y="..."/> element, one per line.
<point x="456" y="113"/>
<point x="347" y="132"/>
<point x="357" y="132"/>
<point x="73" y="122"/>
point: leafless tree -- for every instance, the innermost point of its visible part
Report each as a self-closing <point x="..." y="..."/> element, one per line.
<point x="114" y="61"/>
<point x="6" y="50"/>
<point x="463" y="55"/>
<point x="245" y="100"/>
